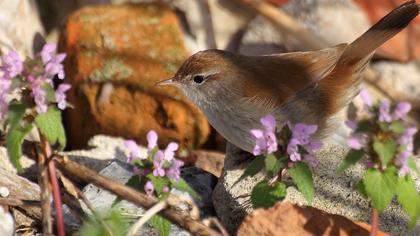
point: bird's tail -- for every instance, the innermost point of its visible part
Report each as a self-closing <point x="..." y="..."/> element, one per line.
<point x="383" y="30"/>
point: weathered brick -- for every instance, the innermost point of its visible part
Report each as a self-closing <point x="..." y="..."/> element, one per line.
<point x="116" y="54"/>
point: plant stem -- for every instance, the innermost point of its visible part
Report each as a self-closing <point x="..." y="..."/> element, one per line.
<point x="43" y="182"/>
<point x="47" y="153"/>
<point x="57" y="198"/>
<point x="374" y="222"/>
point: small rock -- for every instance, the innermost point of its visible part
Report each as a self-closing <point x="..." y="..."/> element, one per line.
<point x="400" y="81"/>
<point x="19" y="23"/>
<point x="102" y="151"/>
<point x="334" y="192"/>
<point x="7" y="226"/>
<point x="288" y="219"/>
<point x="116" y="54"/>
<point x="7" y="165"/>
<point x="4" y="191"/>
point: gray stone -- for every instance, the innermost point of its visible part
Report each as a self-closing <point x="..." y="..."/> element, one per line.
<point x="336" y="21"/>
<point x="19" y="23"/>
<point x="400" y="81"/>
<point x="334" y="192"/>
<point x="102" y="151"/>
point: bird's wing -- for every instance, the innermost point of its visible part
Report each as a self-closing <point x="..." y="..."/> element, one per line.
<point x="278" y="78"/>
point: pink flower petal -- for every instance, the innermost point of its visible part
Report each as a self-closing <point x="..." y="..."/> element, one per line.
<point x="269" y="123"/>
<point x="257" y="133"/>
<point x="152" y="138"/>
<point x="351" y="124"/>
<point x="365" y="98"/>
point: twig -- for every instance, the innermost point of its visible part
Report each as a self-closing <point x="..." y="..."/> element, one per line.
<point x="146" y="217"/>
<point x="57" y="198"/>
<point x="45" y="193"/>
<point x="85" y="174"/>
<point x="286" y="24"/>
<point x="214" y="221"/>
<point x="374" y="222"/>
<point x="18" y="202"/>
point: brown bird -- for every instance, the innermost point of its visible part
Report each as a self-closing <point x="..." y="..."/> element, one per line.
<point x="235" y="91"/>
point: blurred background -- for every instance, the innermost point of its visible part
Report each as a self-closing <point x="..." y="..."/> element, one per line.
<point x="117" y="50"/>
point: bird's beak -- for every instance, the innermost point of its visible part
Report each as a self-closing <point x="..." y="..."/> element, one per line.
<point x="166" y="82"/>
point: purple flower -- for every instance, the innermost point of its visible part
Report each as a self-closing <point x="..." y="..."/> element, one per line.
<point x="302" y="132"/>
<point x="54" y="66"/>
<point x="169" y="152"/>
<point x="351" y="124"/>
<point x="52" y="61"/>
<point x="174" y="171"/>
<point x="366" y="99"/>
<point x="12" y="65"/>
<point x="356" y="141"/>
<point x="4" y="91"/>
<point x="152" y="138"/>
<point x="314" y="146"/>
<point x="158" y="162"/>
<point x="140" y="171"/>
<point x="407" y="138"/>
<point x="39" y="96"/>
<point x="293" y="150"/>
<point x="265" y="140"/>
<point x="401" y="160"/>
<point x="384" y="115"/>
<point x="60" y="95"/>
<point x="401" y="110"/>
<point x="149" y="188"/>
<point x="134" y="149"/>
<point x="165" y="189"/>
<point x="48" y="52"/>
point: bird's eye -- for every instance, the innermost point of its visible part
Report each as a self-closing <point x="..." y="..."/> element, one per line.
<point x="198" y="79"/>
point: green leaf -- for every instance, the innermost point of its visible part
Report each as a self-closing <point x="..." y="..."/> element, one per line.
<point x="49" y="91"/>
<point x="50" y="125"/>
<point x="362" y="189"/>
<point x="158" y="183"/>
<point x="14" y="141"/>
<point x="380" y="186"/>
<point x="253" y="168"/>
<point x="133" y="182"/>
<point x="302" y="177"/>
<point x="363" y="126"/>
<point x="412" y="164"/>
<point x="351" y="158"/>
<point x="272" y="164"/>
<point x="183" y="186"/>
<point x="385" y="150"/>
<point x="162" y="225"/>
<point x="113" y="223"/>
<point x="264" y="195"/>
<point x="397" y="127"/>
<point x="408" y="197"/>
<point x="15" y="115"/>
